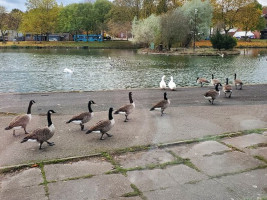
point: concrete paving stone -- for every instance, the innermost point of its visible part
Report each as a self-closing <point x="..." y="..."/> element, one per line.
<point x="21" y="179"/>
<point x="95" y="188"/>
<point x="199" y="149"/>
<point x="264" y="133"/>
<point x="135" y="159"/>
<point x="23" y="193"/>
<point x="126" y="198"/>
<point x="206" y="189"/>
<point x="246" y="140"/>
<point x="225" y="163"/>
<point x="155" y="179"/>
<point x="94" y="166"/>
<point x="248" y="185"/>
<point x="261" y="151"/>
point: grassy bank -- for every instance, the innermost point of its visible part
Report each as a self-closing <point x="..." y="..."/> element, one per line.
<point x="240" y="44"/>
<point x="71" y="44"/>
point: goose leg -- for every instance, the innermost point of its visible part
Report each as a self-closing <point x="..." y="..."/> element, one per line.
<point x="210" y="101"/>
<point x="40" y="145"/>
<point x="25" y="130"/>
<point x="201" y="84"/>
<point x="50" y="143"/>
<point x="102" y="136"/>
<point x="109" y="135"/>
<point x="82" y="127"/>
<point x="230" y="95"/>
<point x="14" y="133"/>
<point x="126" y="118"/>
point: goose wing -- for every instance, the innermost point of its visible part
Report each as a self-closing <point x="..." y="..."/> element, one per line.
<point x="237" y="81"/>
<point x="159" y="104"/>
<point x="40" y="134"/>
<point x="125" y="108"/>
<point x="80" y="116"/>
<point x="19" y="121"/>
<point x="227" y="87"/>
<point x="100" y="125"/>
<point x="211" y="93"/>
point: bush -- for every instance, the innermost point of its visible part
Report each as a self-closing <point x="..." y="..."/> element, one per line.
<point x="220" y="41"/>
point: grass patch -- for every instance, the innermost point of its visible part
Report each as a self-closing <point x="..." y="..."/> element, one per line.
<point x="232" y="147"/>
<point x="79" y="177"/>
<point x="261" y="158"/>
<point x="257" y="146"/>
<point x="258" y="131"/>
<point x="238" y="172"/>
<point x="118" y="168"/>
<point x="133" y="149"/>
<point x="45" y="183"/>
<point x="135" y="193"/>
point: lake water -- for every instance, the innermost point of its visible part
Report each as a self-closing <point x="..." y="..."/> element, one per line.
<point x="42" y="70"/>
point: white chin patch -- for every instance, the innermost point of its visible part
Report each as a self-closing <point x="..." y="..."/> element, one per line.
<point x="31" y="140"/>
<point x="77" y="121"/>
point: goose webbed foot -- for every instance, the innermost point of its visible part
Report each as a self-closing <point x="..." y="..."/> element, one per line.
<point x="82" y="127"/>
<point x="109" y="135"/>
<point x="14" y="134"/>
<point x="40" y="147"/>
<point x="50" y="143"/>
<point x="102" y="137"/>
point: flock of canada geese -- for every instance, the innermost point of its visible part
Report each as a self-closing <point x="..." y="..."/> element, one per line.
<point x="42" y="135"/>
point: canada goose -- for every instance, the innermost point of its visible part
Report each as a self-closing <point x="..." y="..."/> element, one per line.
<point x="211" y="95"/>
<point x="162" y="105"/>
<point x="201" y="81"/>
<point x="171" y="84"/>
<point x="214" y="81"/>
<point x="84" y="117"/>
<point x="227" y="88"/>
<point x="103" y="126"/>
<point x="238" y="82"/>
<point x="126" y="109"/>
<point x="21" y="121"/>
<point x="41" y="135"/>
<point x="162" y="83"/>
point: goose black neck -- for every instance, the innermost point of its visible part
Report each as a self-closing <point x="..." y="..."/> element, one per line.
<point x="165" y="96"/>
<point x="212" y="77"/>
<point x="130" y="98"/>
<point x="29" y="108"/>
<point x="89" y="107"/>
<point x="226" y="81"/>
<point x="235" y="76"/>
<point x="110" y="114"/>
<point x="49" y="118"/>
<point x="217" y="87"/>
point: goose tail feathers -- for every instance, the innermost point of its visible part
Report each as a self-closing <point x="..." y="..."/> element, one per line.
<point x="24" y="140"/>
<point x="8" y="128"/>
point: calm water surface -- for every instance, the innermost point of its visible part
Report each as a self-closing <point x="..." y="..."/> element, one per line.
<point x="39" y="70"/>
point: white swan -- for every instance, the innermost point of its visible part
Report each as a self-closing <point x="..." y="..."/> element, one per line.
<point x="171" y="84"/>
<point x="66" y="70"/>
<point x="162" y="83"/>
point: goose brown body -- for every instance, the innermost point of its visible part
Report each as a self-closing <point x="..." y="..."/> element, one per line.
<point x="238" y="82"/>
<point x="21" y="121"/>
<point x="126" y="109"/>
<point x="42" y="135"/>
<point x="162" y="105"/>
<point x="201" y="81"/>
<point x="211" y="95"/>
<point x="227" y="89"/>
<point x="103" y="126"/>
<point x="84" y="117"/>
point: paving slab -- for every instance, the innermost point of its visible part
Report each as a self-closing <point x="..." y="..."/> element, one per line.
<point x="97" y="187"/>
<point x="246" y="140"/>
<point x="248" y="185"/>
<point x="24" y="193"/>
<point x="25" y="178"/>
<point x="141" y="159"/>
<point x="156" y="179"/>
<point x="229" y="162"/>
<point x="261" y="151"/>
<point x="199" y="149"/>
<point x="94" y="166"/>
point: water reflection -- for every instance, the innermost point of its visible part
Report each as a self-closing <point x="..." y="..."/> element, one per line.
<point x="38" y="70"/>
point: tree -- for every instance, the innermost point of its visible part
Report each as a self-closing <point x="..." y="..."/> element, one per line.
<point x="225" y="12"/>
<point x="199" y="14"/>
<point x="174" y="27"/>
<point x="102" y="8"/>
<point x="16" y="18"/>
<point x="4" y="22"/>
<point x="147" y="30"/>
<point x="46" y="12"/>
<point x="88" y="17"/>
<point x="220" y="41"/>
<point x="249" y="18"/>
<point x="148" y="8"/>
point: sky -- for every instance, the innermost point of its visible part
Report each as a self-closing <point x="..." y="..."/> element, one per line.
<point x="20" y="4"/>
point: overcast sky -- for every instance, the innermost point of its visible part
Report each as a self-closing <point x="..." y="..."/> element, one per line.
<point x="20" y="4"/>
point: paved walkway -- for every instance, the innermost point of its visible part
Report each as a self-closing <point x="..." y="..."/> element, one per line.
<point x="152" y="162"/>
<point x="230" y="168"/>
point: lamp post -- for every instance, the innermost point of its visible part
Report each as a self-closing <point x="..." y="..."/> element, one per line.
<point x="195" y="29"/>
